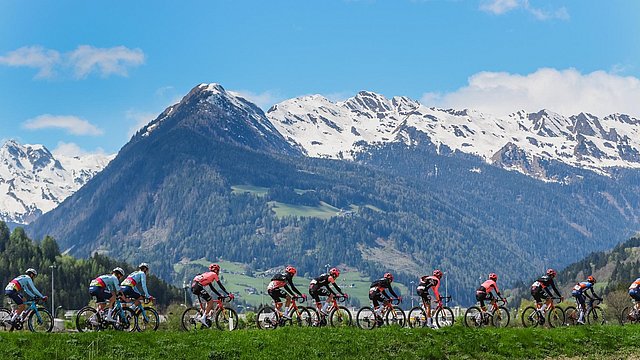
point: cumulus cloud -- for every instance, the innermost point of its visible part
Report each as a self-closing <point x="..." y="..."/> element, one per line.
<point x="564" y="91"/>
<point x="500" y="7"/>
<point x="72" y="149"/>
<point x="71" y="124"/>
<point x="264" y="100"/>
<point x="81" y="62"/>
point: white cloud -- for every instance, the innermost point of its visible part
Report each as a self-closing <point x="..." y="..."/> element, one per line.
<point x="82" y="61"/>
<point x="72" y="149"/>
<point x="500" y="7"/>
<point x="72" y="124"/>
<point x="264" y="100"/>
<point x="564" y="91"/>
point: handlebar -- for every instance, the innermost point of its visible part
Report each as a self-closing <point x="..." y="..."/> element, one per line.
<point x="445" y="299"/>
<point x="394" y="301"/>
<point x="299" y="299"/>
<point x="341" y="298"/>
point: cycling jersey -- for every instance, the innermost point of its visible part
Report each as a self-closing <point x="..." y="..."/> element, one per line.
<point x="543" y="284"/>
<point x="109" y="282"/>
<point x="24" y="283"/>
<point x="207" y="279"/>
<point x="488" y="286"/>
<point x="135" y="280"/>
<point x="581" y="287"/>
<point x="426" y="283"/>
<point x="320" y="287"/>
<point x="380" y="286"/>
<point x="283" y="281"/>
<point x="635" y="285"/>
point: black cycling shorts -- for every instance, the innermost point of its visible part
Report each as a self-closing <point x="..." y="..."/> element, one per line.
<point x="198" y="290"/>
<point x="376" y="297"/>
<point x="424" y="294"/>
<point x="539" y="294"/>
<point x="277" y="294"/>
<point x="316" y="292"/>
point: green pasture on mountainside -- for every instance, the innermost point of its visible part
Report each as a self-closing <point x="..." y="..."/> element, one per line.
<point x="608" y="342"/>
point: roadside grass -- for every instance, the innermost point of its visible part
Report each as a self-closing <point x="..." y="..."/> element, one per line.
<point x="316" y="343"/>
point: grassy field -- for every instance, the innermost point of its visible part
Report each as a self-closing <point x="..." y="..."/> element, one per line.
<point x="610" y="342"/>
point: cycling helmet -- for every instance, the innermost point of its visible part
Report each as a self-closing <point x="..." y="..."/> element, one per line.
<point x="291" y="270"/>
<point x="31" y="271"/>
<point x="388" y="276"/>
<point x="493" y="276"/>
<point x="143" y="265"/>
<point x="437" y="273"/>
<point x="551" y="272"/>
<point x="334" y="272"/>
<point x="118" y="270"/>
<point x="591" y="279"/>
<point x="215" y="268"/>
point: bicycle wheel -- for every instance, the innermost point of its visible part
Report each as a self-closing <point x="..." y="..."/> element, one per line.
<point x="366" y="318"/>
<point x="227" y="319"/>
<point x="87" y="320"/>
<point x="473" y="318"/>
<point x="41" y="323"/>
<point x="315" y="317"/>
<point x="5" y="319"/>
<point x="190" y="320"/>
<point x="555" y="317"/>
<point x="531" y="317"/>
<point x="267" y="318"/>
<point x="126" y="320"/>
<point x="300" y="317"/>
<point x="500" y="317"/>
<point x="417" y="317"/>
<point x="340" y="317"/>
<point x="596" y="316"/>
<point x="396" y="317"/>
<point x="151" y="322"/>
<point x="571" y="315"/>
<point x="629" y="316"/>
<point x="444" y="317"/>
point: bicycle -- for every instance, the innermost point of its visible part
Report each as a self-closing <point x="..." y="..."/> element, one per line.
<point x="630" y="314"/>
<point x="593" y="313"/>
<point x="225" y="317"/>
<point x="268" y="318"/>
<point x="497" y="315"/>
<point x="391" y="313"/>
<point x="443" y="314"/>
<point x="532" y="316"/>
<point x="38" y="318"/>
<point x="89" y="319"/>
<point x="147" y="317"/>
<point x="338" y="315"/>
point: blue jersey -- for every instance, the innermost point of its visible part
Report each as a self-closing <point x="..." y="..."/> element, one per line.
<point x="25" y="284"/>
<point x="109" y="282"/>
<point x="138" y="280"/>
<point x="582" y="287"/>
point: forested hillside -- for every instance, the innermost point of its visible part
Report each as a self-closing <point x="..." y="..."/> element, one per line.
<point x="71" y="276"/>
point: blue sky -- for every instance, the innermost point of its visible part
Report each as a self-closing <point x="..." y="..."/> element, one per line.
<point x="83" y="75"/>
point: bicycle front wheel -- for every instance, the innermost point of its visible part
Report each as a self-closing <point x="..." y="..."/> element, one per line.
<point x="5" y="319"/>
<point x="629" y="316"/>
<point x="126" y="320"/>
<point x="555" y="317"/>
<point x="150" y="322"/>
<point x="227" y="319"/>
<point x="531" y="317"/>
<point x="500" y="317"/>
<point x="366" y="318"/>
<point x="444" y="317"/>
<point x="87" y="320"/>
<point x="315" y="317"/>
<point x="473" y="318"/>
<point x="571" y="315"/>
<point x="40" y="321"/>
<point x="417" y="317"/>
<point x="301" y="317"/>
<point x="340" y="317"/>
<point x="596" y="316"/>
<point x="267" y="318"/>
<point x="396" y="317"/>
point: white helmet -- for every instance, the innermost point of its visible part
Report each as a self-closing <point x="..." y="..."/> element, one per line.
<point x="31" y="271"/>
<point x="143" y="265"/>
<point x="118" y="270"/>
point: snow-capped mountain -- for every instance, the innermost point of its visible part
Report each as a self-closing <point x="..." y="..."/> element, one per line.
<point x="323" y="128"/>
<point x="34" y="181"/>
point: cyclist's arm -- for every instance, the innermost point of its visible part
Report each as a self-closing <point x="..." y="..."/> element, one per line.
<point x="592" y="293"/>
<point x="293" y="287"/>
<point x="222" y="287"/>
<point x="143" y="283"/>
<point x="392" y="292"/>
<point x="214" y="290"/>
<point x="31" y="290"/>
<point x="555" y="289"/>
<point x="498" y="292"/>
<point x="335" y="285"/>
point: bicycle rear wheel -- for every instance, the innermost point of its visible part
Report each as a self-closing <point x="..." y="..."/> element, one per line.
<point x="152" y="321"/>
<point x="396" y="317"/>
<point x="227" y="319"/>
<point x="315" y="317"/>
<point x="366" y="318"/>
<point x="444" y="317"/>
<point x="629" y="316"/>
<point x="340" y="317"/>
<point x="500" y="317"/>
<point x="301" y="317"/>
<point x="87" y="320"/>
<point x="417" y="317"/>
<point x="473" y="318"/>
<point x="555" y="317"/>
<point x="42" y="324"/>
<point x="267" y="318"/>
<point x="571" y="315"/>
<point x="5" y="319"/>
<point x="190" y="319"/>
<point x="596" y="316"/>
<point x="531" y="317"/>
<point x="126" y="320"/>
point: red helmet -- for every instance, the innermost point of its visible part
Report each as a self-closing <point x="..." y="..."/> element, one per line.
<point x="334" y="272"/>
<point x="437" y="273"/>
<point x="215" y="268"/>
<point x="291" y="270"/>
<point x="551" y="272"/>
<point x="493" y="276"/>
<point x="591" y="279"/>
<point x="388" y="276"/>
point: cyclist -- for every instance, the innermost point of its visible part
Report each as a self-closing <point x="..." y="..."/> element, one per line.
<point x="136" y="281"/>
<point x="282" y="287"/>
<point x="541" y="293"/>
<point x="485" y="291"/>
<point x="320" y="287"/>
<point x="378" y="293"/>
<point x="426" y="283"/>
<point x="201" y="281"/>
<point x="105" y="288"/>
<point x="22" y="284"/>
<point x="580" y="292"/>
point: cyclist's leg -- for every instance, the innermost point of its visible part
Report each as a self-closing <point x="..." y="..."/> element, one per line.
<point x="313" y="292"/>
<point x="580" y="301"/>
<point x="17" y="299"/>
<point x="481" y="296"/>
<point x="328" y="301"/>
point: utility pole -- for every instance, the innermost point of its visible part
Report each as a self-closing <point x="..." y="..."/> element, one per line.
<point x="53" y="292"/>
<point x="184" y="288"/>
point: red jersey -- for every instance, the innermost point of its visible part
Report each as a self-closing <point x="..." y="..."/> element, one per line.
<point x="206" y="278"/>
